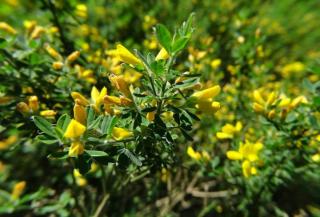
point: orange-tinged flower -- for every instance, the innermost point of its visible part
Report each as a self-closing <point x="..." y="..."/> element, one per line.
<point x="18" y="189"/>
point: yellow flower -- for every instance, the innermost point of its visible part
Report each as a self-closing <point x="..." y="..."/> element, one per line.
<point x="97" y="97"/>
<point x="57" y="65"/>
<point x="52" y="52"/>
<point x="81" y="10"/>
<point x="74" y="130"/>
<point x="131" y="76"/>
<point x="34" y="103"/>
<point x="79" y="98"/>
<point x="207" y="93"/>
<point x="215" y="63"/>
<point x="80" y="114"/>
<point x="37" y="32"/>
<point x="197" y="155"/>
<point x="77" y="148"/>
<point x="228" y="131"/>
<point x="48" y="113"/>
<point x="316" y="157"/>
<point x="4" y="144"/>
<point x="23" y="108"/>
<point x="248" y="151"/>
<point x="150" y="116"/>
<point x="126" y="56"/>
<point x="121" y="133"/>
<point x="292" y="68"/>
<point x="80" y="180"/>
<point x="73" y="56"/>
<point x="18" y="189"/>
<point x="193" y="154"/>
<point x="118" y="82"/>
<point x="7" y="28"/>
<point x="162" y="55"/>
<point x="247" y="169"/>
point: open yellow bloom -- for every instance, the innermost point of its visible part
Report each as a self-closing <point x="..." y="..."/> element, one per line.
<point x="228" y="131"/>
<point x="248" y="151"/>
<point x="76" y="148"/>
<point x="204" y="99"/>
<point x="121" y="133"/>
<point x="34" y="103"/>
<point x="18" y="189"/>
<point x="74" y="130"/>
<point x="126" y="56"/>
<point x="97" y="97"/>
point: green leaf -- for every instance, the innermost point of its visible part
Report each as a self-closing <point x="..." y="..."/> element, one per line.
<point x="44" y="125"/>
<point x="90" y="116"/>
<point x="164" y="37"/>
<point x="95" y="153"/>
<point x="131" y="156"/>
<point x="58" y="155"/>
<point x="46" y="140"/>
<point x="179" y="44"/>
<point x="63" y="122"/>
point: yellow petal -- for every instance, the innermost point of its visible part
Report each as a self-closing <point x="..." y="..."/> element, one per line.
<point x="80" y="98"/>
<point x="162" y="55"/>
<point x="74" y="129"/>
<point x="258" y="98"/>
<point x="222" y="135"/>
<point x="18" y="189"/>
<point x="126" y="56"/>
<point x="76" y="148"/>
<point x="207" y="93"/>
<point x="193" y="154"/>
<point x="121" y="133"/>
<point x="234" y="155"/>
<point x="80" y="114"/>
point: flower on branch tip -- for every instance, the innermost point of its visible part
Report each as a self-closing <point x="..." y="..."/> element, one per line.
<point x="126" y="56"/>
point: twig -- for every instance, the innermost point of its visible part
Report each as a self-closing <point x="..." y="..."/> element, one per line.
<point x="101" y="205"/>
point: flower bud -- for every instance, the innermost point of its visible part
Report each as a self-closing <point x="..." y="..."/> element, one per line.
<point x="34" y="103"/>
<point x="73" y="56"/>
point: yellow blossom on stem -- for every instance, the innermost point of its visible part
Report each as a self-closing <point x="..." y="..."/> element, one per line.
<point x="76" y="148"/>
<point x="248" y="151"/>
<point x="34" y="103"/>
<point x="162" y="55"/>
<point x="18" y="189"/>
<point x="80" y="180"/>
<point x="126" y="56"/>
<point x="74" y="130"/>
<point x="80" y="114"/>
<point x="121" y="133"/>
<point x="73" y="56"/>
